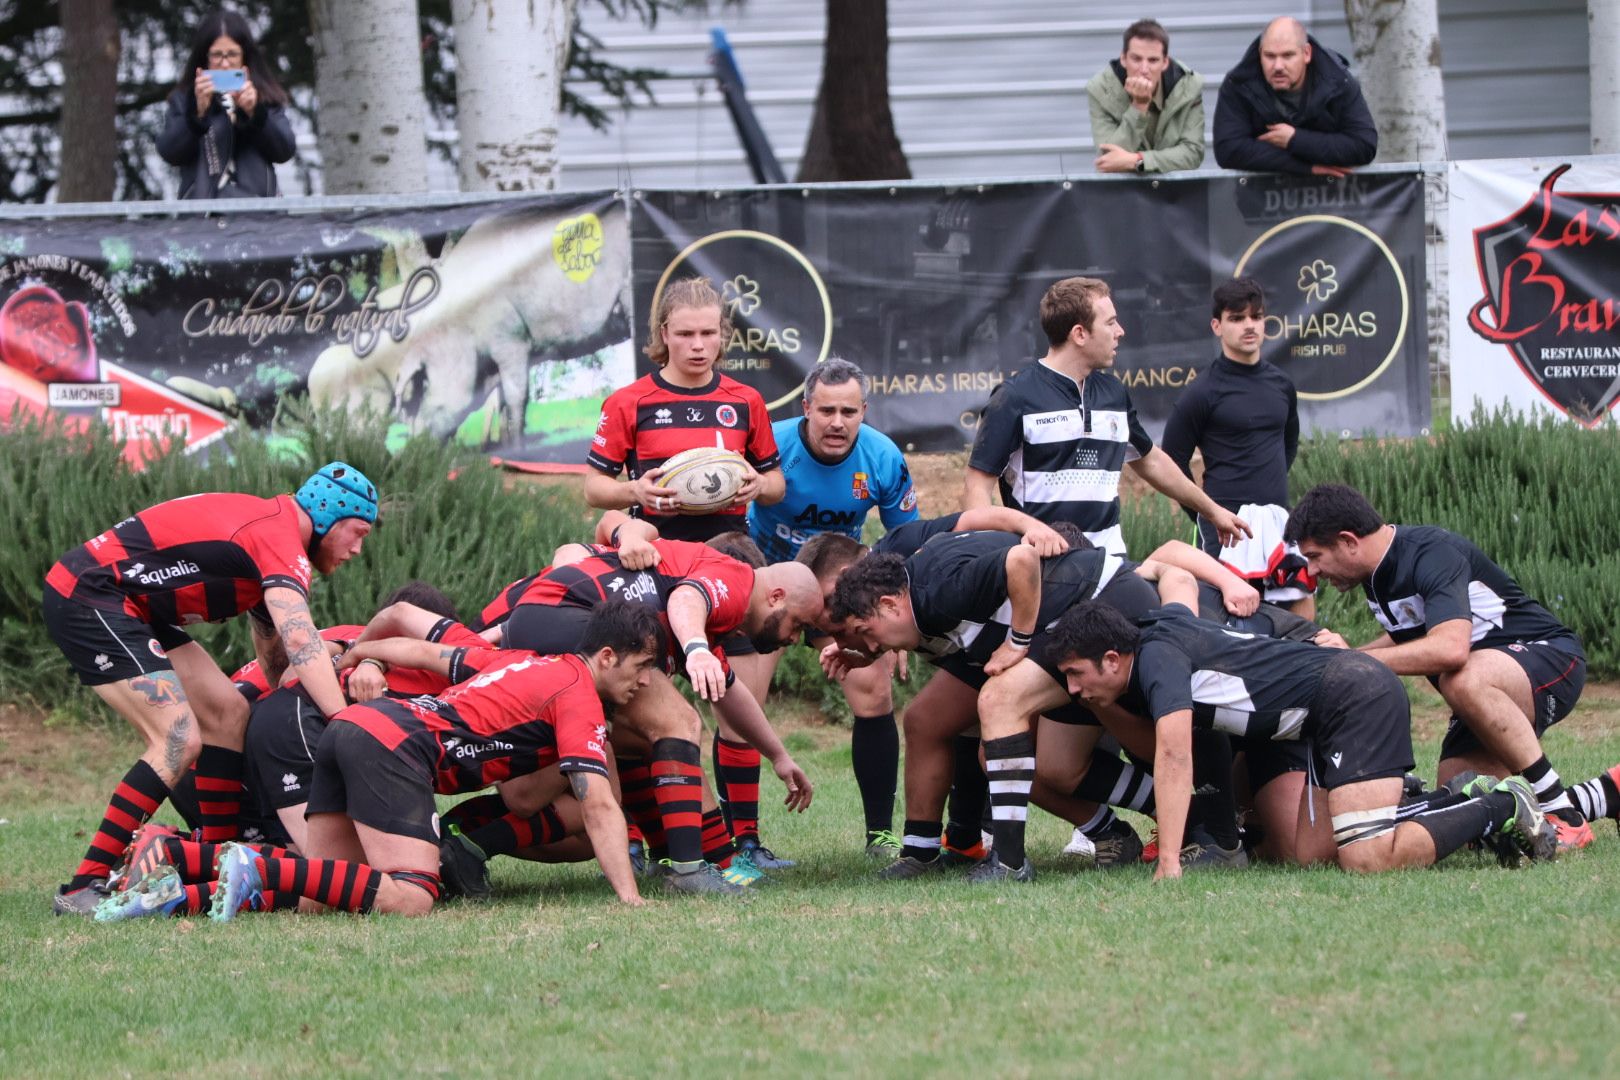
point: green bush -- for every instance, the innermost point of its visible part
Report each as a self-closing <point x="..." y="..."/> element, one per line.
<point x="448" y="518"/>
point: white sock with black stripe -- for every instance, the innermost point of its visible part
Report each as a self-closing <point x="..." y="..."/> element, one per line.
<point x="1009" y="763"/>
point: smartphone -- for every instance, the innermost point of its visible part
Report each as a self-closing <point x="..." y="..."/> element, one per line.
<point x="228" y="80"/>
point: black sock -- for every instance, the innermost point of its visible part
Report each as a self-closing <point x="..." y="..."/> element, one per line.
<point x="1438" y="799"/>
<point x="874" y="751"/>
<point x="1115" y="782"/>
<point x="921" y="841"/>
<point x="1213" y="805"/>
<point x="1451" y="827"/>
<point x="970" y="794"/>
<point x="1549" y="788"/>
<point x="1010" y="767"/>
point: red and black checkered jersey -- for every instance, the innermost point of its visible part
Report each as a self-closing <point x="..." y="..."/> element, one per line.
<point x="250" y="680"/>
<point x="499" y="609"/>
<point x="725" y="582"/>
<point x="202" y="558"/>
<point x="518" y="713"/>
<point x="651" y="420"/>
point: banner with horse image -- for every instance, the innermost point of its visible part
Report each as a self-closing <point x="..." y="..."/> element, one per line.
<point x="502" y="324"/>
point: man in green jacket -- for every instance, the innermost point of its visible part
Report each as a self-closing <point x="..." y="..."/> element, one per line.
<point x="1147" y="111"/>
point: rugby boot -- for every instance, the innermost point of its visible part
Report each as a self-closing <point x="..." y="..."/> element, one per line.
<point x="955" y="857"/>
<point x="80" y="901"/>
<point x="1470" y="783"/>
<point x="995" y="872"/>
<point x="1527" y="833"/>
<point x="1206" y="854"/>
<point x="703" y="880"/>
<point x="463" y="868"/>
<point x="1117" y="846"/>
<point x="761" y="856"/>
<point x="144" y="855"/>
<point x="883" y="845"/>
<point x="158" y="892"/>
<point x="1150" y="850"/>
<point x="239" y="882"/>
<point x="1080" y="846"/>
<point x="1572" y="835"/>
<point x="1411" y="786"/>
<point x="740" y="870"/>
<point x="907" y="867"/>
<point x="638" y="858"/>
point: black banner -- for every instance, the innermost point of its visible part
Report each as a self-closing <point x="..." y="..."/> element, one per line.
<point x="935" y="291"/>
<point x="504" y="323"/>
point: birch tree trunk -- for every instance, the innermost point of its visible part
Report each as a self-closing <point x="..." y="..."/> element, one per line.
<point x="1397" y="44"/>
<point x="1604" y="17"/>
<point x="509" y="67"/>
<point x="368" y="79"/>
<point x="89" y="132"/>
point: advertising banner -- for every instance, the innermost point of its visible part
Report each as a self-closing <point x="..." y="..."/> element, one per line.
<point x="1535" y="287"/>
<point x="502" y="324"/>
<point x="936" y="291"/>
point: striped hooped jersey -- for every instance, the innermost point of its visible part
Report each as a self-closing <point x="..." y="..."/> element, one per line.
<point x="1058" y="447"/>
<point x="1430" y="575"/>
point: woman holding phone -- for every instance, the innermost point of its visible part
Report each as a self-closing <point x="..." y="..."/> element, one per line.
<point x="227" y="126"/>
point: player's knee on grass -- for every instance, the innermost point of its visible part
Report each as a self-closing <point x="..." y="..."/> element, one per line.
<point x="1365" y="839"/>
<point x="406" y="892"/>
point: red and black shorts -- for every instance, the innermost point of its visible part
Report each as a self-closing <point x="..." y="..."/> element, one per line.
<point x="1557" y="673"/>
<point x="107" y="646"/>
<point x="358" y="776"/>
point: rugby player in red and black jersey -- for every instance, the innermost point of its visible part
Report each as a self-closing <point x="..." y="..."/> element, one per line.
<point x="705" y="597"/>
<point x="117" y="607"/>
<point x="373" y="826"/>
<point x="683" y="405"/>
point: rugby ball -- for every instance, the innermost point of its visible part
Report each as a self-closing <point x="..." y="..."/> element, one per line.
<point x="705" y="478"/>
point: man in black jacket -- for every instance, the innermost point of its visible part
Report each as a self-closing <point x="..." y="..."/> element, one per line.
<point x="1292" y="106"/>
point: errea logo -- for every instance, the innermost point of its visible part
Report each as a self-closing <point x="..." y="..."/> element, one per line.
<point x="663" y="416"/>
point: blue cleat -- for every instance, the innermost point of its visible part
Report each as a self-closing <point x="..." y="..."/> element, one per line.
<point x="158" y="892"/>
<point x="239" y="882"/>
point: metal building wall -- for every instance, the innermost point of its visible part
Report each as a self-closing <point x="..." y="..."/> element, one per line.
<point x="987" y="90"/>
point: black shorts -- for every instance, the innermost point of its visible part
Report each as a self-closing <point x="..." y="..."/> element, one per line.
<point x="1270" y="758"/>
<point x="972" y="673"/>
<point x="546" y="629"/>
<point x="1360" y="723"/>
<point x="284" y="728"/>
<point x="1557" y="673"/>
<point x="359" y="776"/>
<point x="107" y="646"/>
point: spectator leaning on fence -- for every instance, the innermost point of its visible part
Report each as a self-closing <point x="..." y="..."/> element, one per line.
<point x="1147" y="111"/>
<point x="1292" y="106"/>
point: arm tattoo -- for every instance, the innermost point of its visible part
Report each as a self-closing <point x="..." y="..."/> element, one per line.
<point x="580" y="783"/>
<point x="297" y="631"/>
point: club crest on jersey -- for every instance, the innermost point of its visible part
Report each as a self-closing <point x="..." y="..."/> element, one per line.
<point x="155" y="649"/>
<point x="727" y="415"/>
<point x="859" y="487"/>
<point x="908" y="501"/>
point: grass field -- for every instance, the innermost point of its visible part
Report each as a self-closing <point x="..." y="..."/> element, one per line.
<point x="1467" y="970"/>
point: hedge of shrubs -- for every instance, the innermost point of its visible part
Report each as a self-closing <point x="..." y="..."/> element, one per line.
<point x="1541" y="497"/>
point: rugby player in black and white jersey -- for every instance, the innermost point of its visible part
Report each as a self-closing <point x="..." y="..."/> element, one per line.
<point x="1056" y="434"/>
<point x="1170" y="672"/>
<point x="975" y="605"/>
<point x="1507" y="668"/>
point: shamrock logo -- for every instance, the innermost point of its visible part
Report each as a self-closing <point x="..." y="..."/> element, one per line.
<point x="741" y="295"/>
<point x="1318" y="280"/>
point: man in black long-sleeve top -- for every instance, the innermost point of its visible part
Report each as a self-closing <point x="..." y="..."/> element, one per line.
<point x="1292" y="106"/>
<point x="1243" y="413"/>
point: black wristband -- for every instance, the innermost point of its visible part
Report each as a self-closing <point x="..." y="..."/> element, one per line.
<point x="1020" y="641"/>
<point x="694" y="646"/>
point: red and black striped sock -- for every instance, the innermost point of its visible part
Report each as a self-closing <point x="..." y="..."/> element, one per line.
<point x="219" y="792"/>
<point x="474" y="813"/>
<point x="193" y="859"/>
<point x="641" y="800"/>
<point x="718" y="846"/>
<point x="736" y="782"/>
<point x="136" y="799"/>
<point x="677" y="769"/>
<point x="510" y="832"/>
<point x="198" y="898"/>
<point x="349" y="886"/>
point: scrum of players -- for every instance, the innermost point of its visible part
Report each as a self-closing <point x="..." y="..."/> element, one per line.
<point x="1193" y="687"/>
